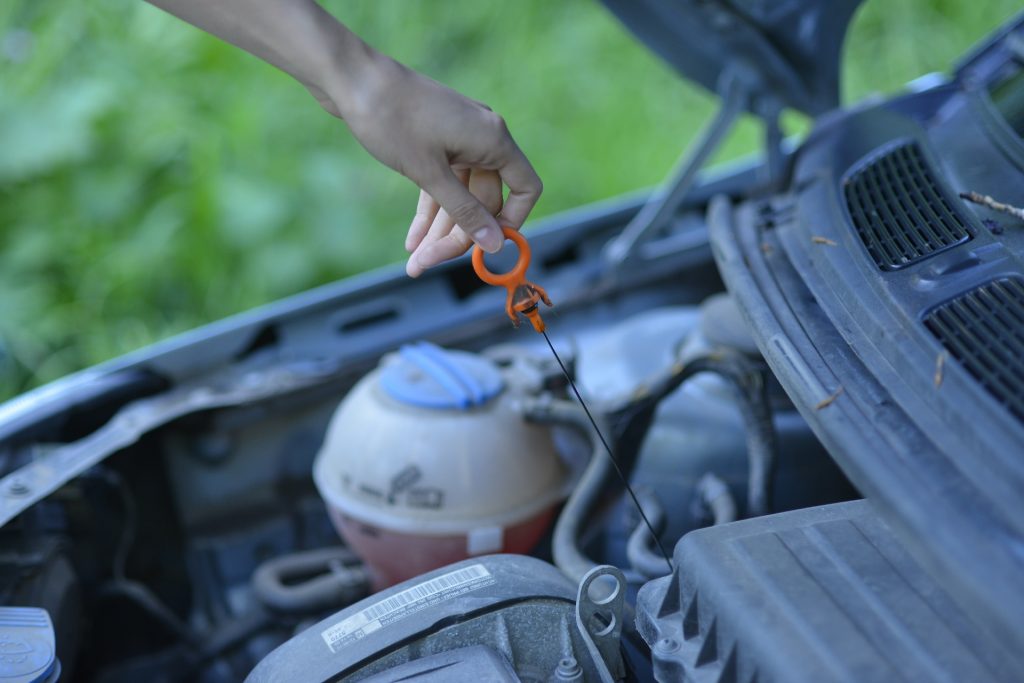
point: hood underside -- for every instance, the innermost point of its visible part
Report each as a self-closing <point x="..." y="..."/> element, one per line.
<point x="787" y="52"/>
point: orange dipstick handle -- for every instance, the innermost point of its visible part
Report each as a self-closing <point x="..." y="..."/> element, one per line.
<point x="523" y="295"/>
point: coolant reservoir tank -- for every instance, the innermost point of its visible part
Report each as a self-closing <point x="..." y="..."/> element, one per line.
<point x="427" y="462"/>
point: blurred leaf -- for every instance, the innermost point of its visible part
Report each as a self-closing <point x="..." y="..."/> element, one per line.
<point x="51" y="130"/>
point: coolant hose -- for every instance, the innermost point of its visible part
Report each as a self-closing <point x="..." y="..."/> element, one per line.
<point x="642" y="557"/>
<point x="311" y="581"/>
<point x="585" y="496"/>
<point x="635" y="416"/>
<point x="714" y="494"/>
<point x="598" y="475"/>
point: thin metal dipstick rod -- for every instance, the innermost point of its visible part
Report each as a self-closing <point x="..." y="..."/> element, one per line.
<point x="608" y="450"/>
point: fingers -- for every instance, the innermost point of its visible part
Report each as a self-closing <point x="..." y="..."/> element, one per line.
<point x="524" y="187"/>
<point x="427" y="214"/>
<point x="426" y="210"/>
<point x="431" y="253"/>
<point x="460" y="204"/>
<point x="440" y="228"/>
<point x="436" y="246"/>
<point x="440" y="224"/>
<point x="485" y="185"/>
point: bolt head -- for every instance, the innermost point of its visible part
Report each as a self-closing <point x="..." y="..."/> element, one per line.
<point x="667" y="645"/>
<point x="17" y="487"/>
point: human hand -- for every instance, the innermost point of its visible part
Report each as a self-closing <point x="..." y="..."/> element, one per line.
<point x="434" y="236"/>
<point x="457" y="150"/>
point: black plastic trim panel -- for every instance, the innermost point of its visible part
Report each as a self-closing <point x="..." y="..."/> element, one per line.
<point x="900" y="210"/>
<point x="983" y="329"/>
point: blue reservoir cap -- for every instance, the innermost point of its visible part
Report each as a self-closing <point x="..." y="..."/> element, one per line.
<point x="427" y="376"/>
<point x="28" y="646"/>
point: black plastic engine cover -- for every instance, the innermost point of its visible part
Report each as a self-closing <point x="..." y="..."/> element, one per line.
<point x="822" y="594"/>
<point x="499" y="617"/>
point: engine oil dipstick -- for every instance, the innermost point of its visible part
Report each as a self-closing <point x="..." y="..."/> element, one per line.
<point x="524" y="298"/>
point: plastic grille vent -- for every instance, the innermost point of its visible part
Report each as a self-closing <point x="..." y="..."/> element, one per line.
<point x="984" y="330"/>
<point x="900" y="211"/>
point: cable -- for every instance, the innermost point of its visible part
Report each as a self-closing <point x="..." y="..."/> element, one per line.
<point x="135" y="591"/>
<point x="748" y="381"/>
<point x="143" y="597"/>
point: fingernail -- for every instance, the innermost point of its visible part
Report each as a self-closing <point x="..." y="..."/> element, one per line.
<point x="412" y="267"/>
<point x="490" y="239"/>
<point x="410" y="245"/>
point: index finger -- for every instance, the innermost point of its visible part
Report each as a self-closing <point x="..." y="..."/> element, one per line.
<point x="524" y="188"/>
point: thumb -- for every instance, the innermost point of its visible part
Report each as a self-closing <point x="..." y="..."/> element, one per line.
<point x="467" y="212"/>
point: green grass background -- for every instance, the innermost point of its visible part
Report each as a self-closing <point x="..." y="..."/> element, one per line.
<point x="153" y="178"/>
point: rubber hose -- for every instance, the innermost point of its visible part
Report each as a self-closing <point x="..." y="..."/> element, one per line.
<point x="755" y="411"/>
<point x="311" y="581"/>
<point x="714" y="494"/>
<point x="760" y="433"/>
<point x="585" y="496"/>
<point x="642" y="556"/>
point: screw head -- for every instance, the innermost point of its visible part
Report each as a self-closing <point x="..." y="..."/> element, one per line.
<point x="667" y="645"/>
<point x="568" y="669"/>
<point x="17" y="487"/>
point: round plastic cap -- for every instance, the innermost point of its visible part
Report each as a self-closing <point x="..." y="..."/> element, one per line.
<point x="427" y="376"/>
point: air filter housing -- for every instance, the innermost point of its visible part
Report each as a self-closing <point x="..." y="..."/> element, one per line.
<point x="821" y="594"/>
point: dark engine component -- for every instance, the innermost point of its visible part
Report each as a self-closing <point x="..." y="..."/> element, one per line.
<point x="500" y="618"/>
<point x="822" y="594"/>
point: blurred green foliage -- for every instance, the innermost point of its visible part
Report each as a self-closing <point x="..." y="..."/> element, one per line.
<point x="153" y="178"/>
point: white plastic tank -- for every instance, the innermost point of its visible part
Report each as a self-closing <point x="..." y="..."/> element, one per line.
<point x="426" y="462"/>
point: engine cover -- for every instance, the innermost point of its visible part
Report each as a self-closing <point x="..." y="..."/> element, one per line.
<point x="499" y="617"/>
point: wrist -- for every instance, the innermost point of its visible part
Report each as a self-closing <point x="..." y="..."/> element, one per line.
<point x="354" y="76"/>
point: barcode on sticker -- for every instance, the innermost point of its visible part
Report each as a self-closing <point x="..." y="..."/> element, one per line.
<point x="426" y="589"/>
<point x="404" y="603"/>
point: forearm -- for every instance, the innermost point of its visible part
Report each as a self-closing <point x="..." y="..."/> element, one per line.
<point x="431" y="134"/>
<point x="297" y="36"/>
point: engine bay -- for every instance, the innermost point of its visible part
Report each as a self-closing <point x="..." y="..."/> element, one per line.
<point x="218" y="512"/>
<point x="805" y="366"/>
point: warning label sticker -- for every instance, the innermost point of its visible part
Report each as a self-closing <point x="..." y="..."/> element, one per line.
<point x="409" y="601"/>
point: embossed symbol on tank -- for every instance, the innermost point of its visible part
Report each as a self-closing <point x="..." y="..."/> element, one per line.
<point x="368" y="490"/>
<point x="22" y="655"/>
<point x="405" y="478"/>
<point x="430" y="498"/>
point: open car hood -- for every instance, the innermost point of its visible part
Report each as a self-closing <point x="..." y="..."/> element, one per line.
<point x="786" y="50"/>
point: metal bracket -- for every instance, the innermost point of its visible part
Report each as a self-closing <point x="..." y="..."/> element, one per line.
<point x="665" y="203"/>
<point x="599" y="607"/>
<point x="54" y="465"/>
